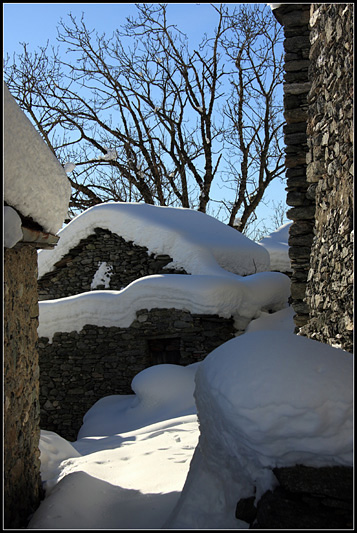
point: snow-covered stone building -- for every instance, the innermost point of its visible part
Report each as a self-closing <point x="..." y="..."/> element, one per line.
<point x="318" y="109"/>
<point x="133" y="285"/>
<point x="114" y="244"/>
<point x="36" y="196"/>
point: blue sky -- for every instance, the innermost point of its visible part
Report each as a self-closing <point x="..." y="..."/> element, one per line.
<point x="36" y="24"/>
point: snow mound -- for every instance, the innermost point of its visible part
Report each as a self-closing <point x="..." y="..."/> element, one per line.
<point x="285" y="396"/>
<point x="167" y="385"/>
<point x="281" y="320"/>
<point x="162" y="392"/>
<point x="196" y="242"/>
<point x="35" y="183"/>
<point x="263" y="401"/>
<point x="277" y="245"/>
<point x="54" y="449"/>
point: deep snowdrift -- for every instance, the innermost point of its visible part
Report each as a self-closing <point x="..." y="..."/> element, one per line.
<point x="264" y="400"/>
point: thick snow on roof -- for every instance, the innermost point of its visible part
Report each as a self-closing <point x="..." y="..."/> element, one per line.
<point x="265" y="399"/>
<point x="277" y="245"/>
<point x="227" y="296"/>
<point x="35" y="183"/>
<point x="196" y="242"/>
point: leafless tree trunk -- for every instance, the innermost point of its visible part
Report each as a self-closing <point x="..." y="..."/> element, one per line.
<point x="146" y="119"/>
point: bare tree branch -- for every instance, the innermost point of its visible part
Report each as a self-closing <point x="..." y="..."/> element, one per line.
<point x="144" y="118"/>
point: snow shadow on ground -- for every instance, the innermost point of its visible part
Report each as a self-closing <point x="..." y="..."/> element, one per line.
<point x="115" y="506"/>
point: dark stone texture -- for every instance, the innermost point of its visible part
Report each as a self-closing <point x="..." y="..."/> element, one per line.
<point x="330" y="176"/>
<point x="79" y="368"/>
<point x="308" y="498"/>
<point x="74" y="273"/>
<point x="21" y="414"/>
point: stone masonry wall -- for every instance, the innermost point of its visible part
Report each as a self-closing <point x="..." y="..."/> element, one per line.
<point x="329" y="293"/>
<point x="22" y="483"/>
<point x="74" y="273"/>
<point x="295" y="20"/>
<point x="79" y="368"/>
<point x="306" y="498"/>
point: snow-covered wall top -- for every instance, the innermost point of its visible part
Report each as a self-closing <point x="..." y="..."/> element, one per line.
<point x="196" y="242"/>
<point x="277" y="245"/>
<point x="35" y="182"/>
<point x="242" y="298"/>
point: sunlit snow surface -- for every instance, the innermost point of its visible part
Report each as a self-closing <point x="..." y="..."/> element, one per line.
<point x="267" y="398"/>
<point x="35" y="183"/>
<point x="227" y="271"/>
<point x="277" y="245"/>
<point x="226" y="296"/>
<point x="196" y="242"/>
<point x="264" y="400"/>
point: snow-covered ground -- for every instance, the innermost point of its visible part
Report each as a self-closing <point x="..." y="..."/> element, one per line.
<point x="267" y="398"/>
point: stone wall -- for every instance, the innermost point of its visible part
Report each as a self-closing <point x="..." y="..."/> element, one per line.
<point x="74" y="273"/>
<point x="329" y="294"/>
<point x="22" y="483"/>
<point x="306" y="498"/>
<point x="79" y="368"/>
<point x="295" y="20"/>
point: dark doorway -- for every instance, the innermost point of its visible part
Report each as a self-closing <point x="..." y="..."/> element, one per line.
<point x="166" y="350"/>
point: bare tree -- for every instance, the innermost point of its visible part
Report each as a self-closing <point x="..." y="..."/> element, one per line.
<point x="146" y="119"/>
<point x="255" y="119"/>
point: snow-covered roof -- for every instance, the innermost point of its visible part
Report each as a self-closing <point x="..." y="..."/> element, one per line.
<point x="196" y="241"/>
<point x="277" y="245"/>
<point x="35" y="183"/>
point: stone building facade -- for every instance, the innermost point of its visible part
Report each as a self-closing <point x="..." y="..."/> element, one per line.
<point x="125" y="262"/>
<point x="22" y="483"/>
<point x="318" y="103"/>
<point x="329" y="294"/>
<point x="79" y="368"/>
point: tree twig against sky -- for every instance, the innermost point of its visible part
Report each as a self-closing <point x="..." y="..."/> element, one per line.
<point x="254" y="132"/>
<point x="146" y="118"/>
